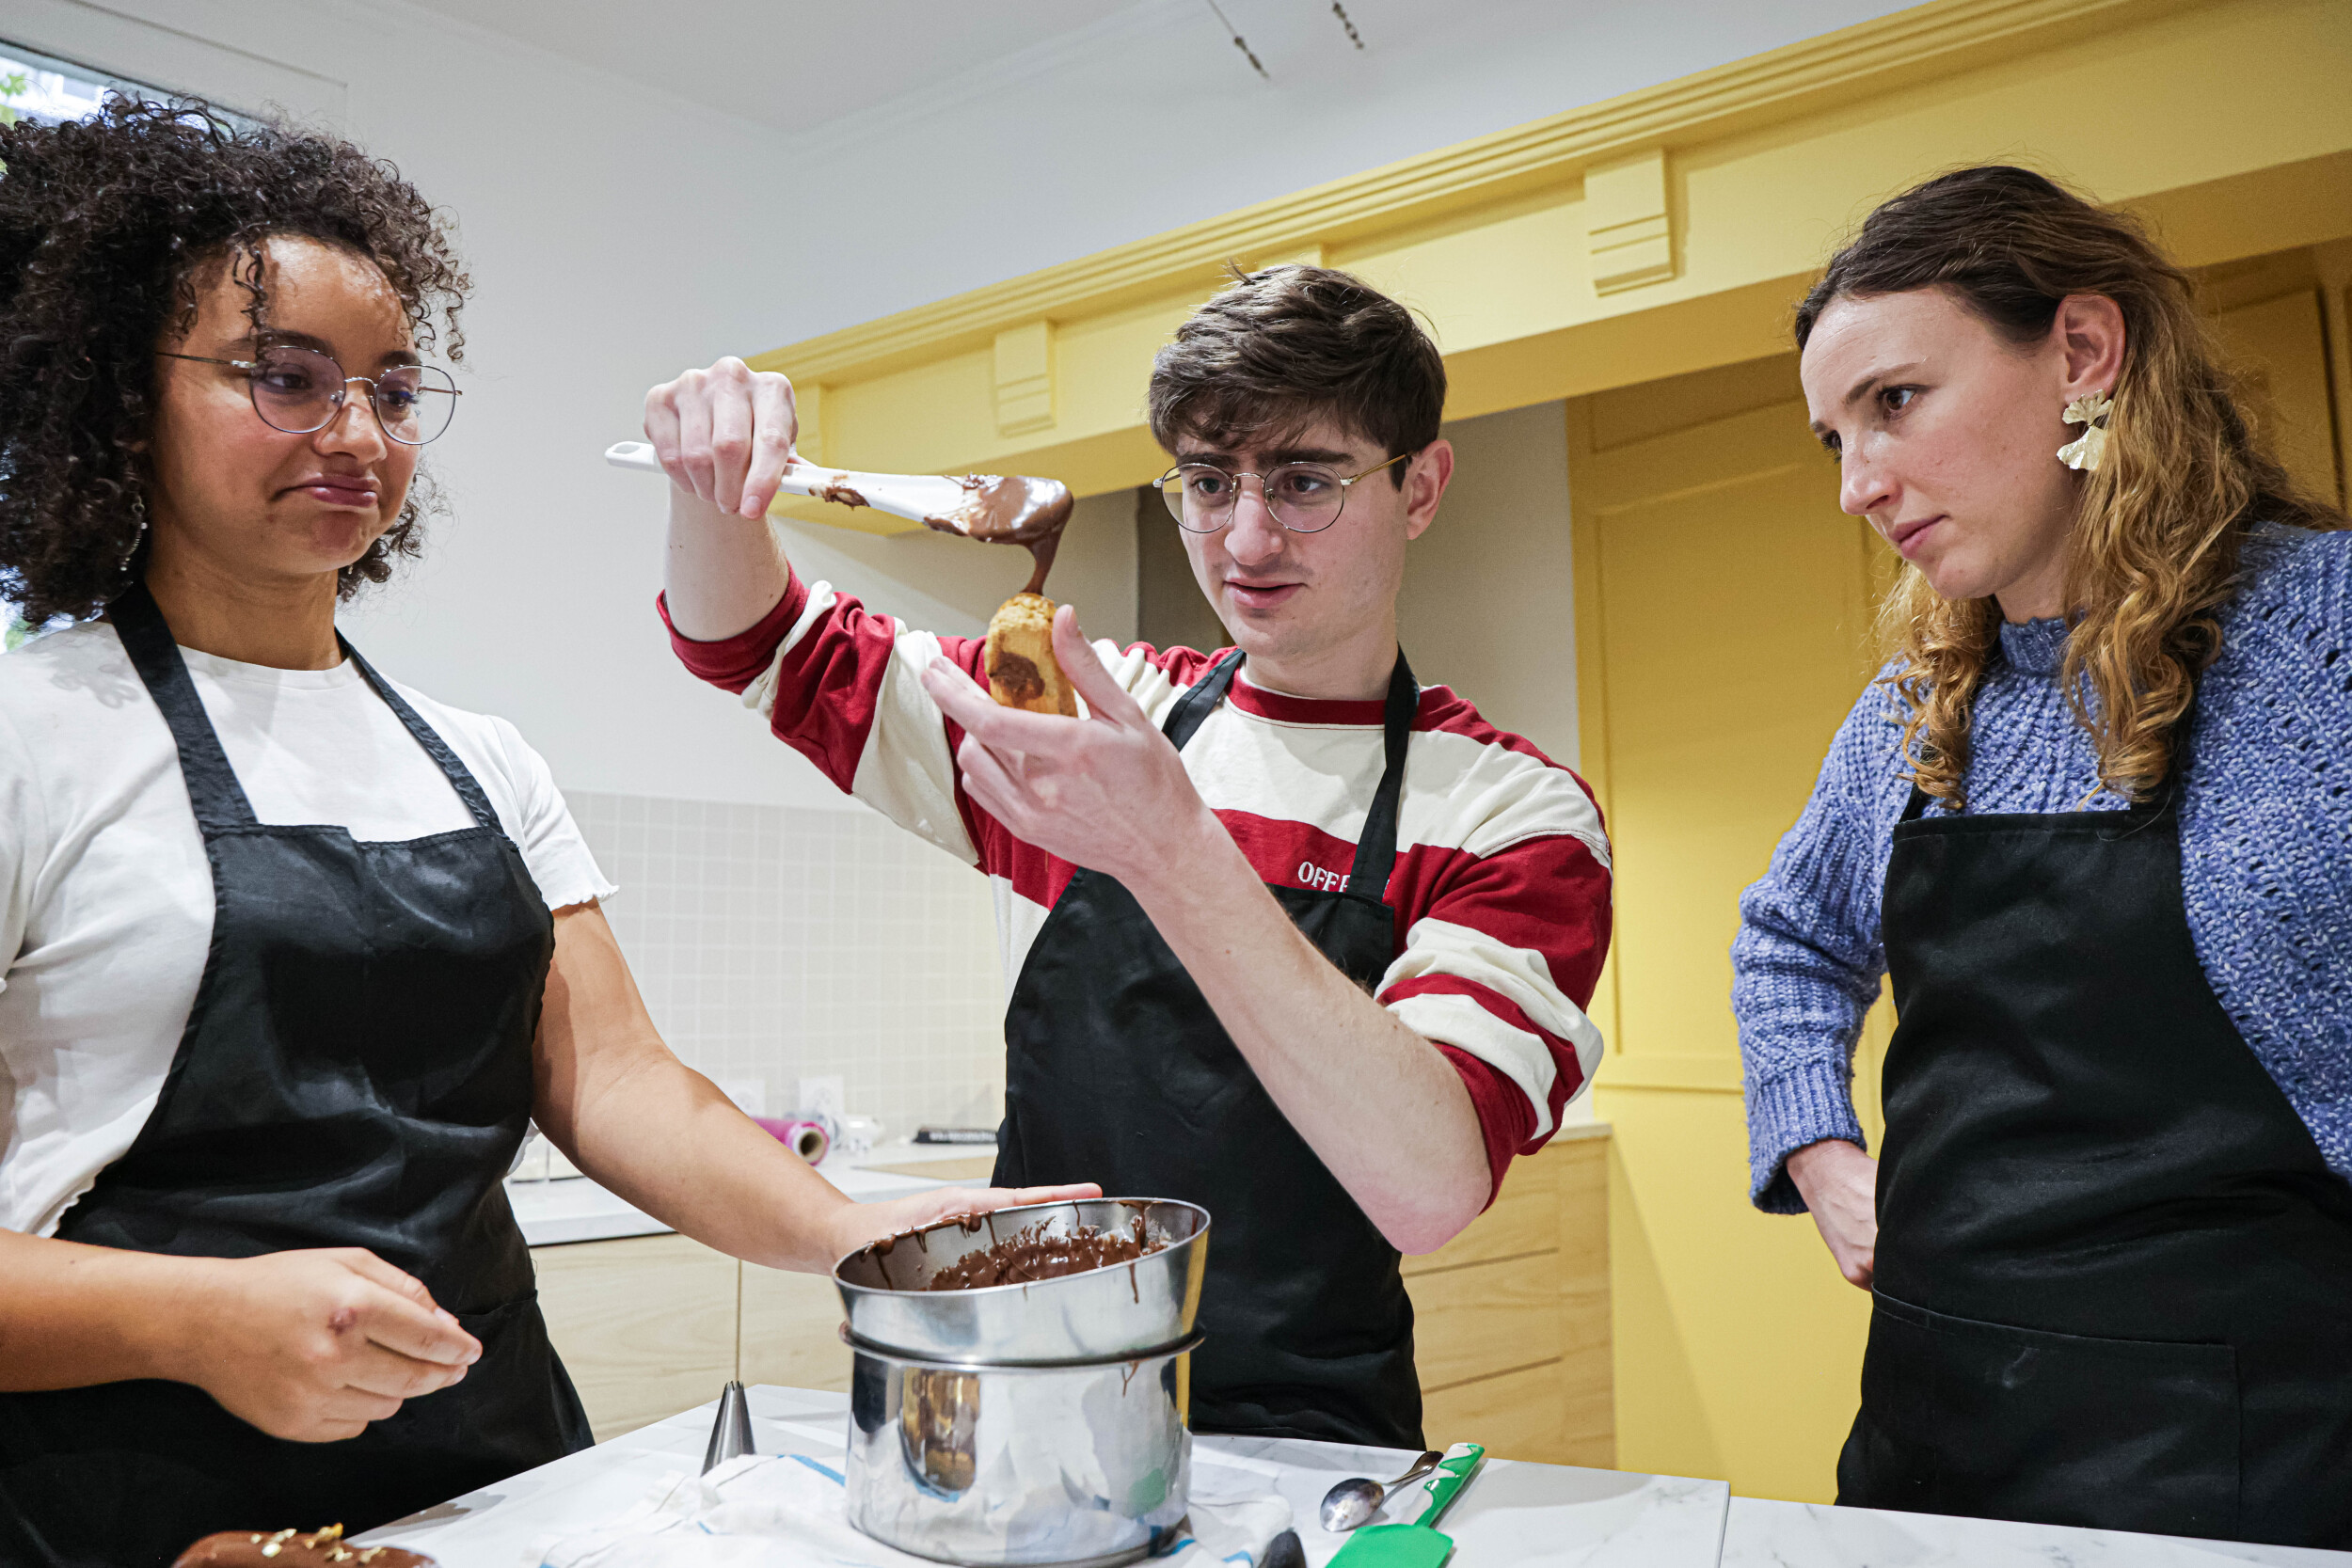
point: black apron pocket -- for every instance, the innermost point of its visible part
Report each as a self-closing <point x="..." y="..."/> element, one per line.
<point x="1964" y="1417"/>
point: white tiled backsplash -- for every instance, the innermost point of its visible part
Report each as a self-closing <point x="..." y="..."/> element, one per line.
<point x="774" y="943"/>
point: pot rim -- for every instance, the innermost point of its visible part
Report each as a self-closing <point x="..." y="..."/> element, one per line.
<point x="983" y="1291"/>
<point x="1066" y="1364"/>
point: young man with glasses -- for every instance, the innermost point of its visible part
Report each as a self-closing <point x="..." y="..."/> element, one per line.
<point x="1287" y="935"/>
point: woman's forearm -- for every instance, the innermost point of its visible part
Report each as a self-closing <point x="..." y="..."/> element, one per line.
<point x="665" y="1138"/>
<point x="647" y="1126"/>
<point x="73" y="1315"/>
<point x="722" y="573"/>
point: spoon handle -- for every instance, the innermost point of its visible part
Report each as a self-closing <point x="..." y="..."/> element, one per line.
<point x="1422" y="1466"/>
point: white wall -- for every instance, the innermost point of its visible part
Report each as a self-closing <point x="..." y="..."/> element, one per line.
<point x="1489" y="601"/>
<point x="617" y="233"/>
<point x="1149" y="119"/>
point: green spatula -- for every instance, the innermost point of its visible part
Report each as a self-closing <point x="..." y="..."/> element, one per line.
<point x="1416" y="1544"/>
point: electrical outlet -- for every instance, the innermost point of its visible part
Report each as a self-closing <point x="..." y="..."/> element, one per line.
<point x="749" y="1094"/>
<point x="822" y="1096"/>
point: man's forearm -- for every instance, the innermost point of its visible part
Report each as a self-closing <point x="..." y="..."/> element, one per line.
<point x="723" y="572"/>
<point x="1375" y="1102"/>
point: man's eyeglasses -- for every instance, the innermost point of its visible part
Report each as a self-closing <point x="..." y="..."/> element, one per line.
<point x="300" y="390"/>
<point x="1304" y="497"/>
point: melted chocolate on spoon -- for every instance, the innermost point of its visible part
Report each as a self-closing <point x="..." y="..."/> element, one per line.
<point x="1010" y="509"/>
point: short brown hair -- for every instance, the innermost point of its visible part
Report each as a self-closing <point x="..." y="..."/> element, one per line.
<point x="1287" y="345"/>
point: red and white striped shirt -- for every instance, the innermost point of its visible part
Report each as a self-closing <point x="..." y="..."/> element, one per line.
<point x="1501" y="884"/>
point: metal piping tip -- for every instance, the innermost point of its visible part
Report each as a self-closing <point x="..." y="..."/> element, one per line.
<point x="731" y="1433"/>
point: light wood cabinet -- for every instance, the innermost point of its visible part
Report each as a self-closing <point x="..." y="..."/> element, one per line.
<point x="645" y="1325"/>
<point x="1511" y="1328"/>
<point x="1510" y="1331"/>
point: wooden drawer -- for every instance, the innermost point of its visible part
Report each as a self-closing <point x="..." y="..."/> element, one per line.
<point x="644" y="1324"/>
<point x="792" y="1330"/>
<point x="1511" y="1327"/>
<point x="1485" y="1318"/>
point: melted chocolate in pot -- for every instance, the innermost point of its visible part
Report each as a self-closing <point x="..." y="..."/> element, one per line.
<point x="1033" y="1254"/>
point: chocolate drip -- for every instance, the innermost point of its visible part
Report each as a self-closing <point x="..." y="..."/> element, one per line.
<point x="1008" y="509"/>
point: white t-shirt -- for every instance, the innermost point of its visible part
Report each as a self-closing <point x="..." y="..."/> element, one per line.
<point x="106" y="895"/>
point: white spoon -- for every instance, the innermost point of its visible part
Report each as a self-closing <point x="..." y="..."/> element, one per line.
<point x="933" y="499"/>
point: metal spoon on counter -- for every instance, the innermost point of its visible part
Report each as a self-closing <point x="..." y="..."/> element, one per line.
<point x="1354" y="1502"/>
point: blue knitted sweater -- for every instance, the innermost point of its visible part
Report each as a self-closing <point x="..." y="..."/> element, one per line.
<point x="2266" y="855"/>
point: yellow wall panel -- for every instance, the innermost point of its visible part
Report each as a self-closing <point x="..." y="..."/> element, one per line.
<point x="1727" y="601"/>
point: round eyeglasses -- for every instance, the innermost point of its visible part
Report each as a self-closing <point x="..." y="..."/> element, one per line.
<point x="300" y="390"/>
<point x="1304" y="497"/>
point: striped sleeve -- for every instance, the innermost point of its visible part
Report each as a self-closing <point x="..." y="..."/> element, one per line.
<point x="842" y="685"/>
<point x="1504" y="934"/>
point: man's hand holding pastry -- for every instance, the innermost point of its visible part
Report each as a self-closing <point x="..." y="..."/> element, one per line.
<point x="1106" y="791"/>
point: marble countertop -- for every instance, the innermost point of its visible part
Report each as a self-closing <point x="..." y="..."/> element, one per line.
<point x="1762" y="1535"/>
<point x="1535" y="1515"/>
<point x="1512" y="1512"/>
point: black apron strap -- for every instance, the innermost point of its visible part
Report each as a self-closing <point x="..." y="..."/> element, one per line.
<point x="1196" y="704"/>
<point x="213" y="787"/>
<point x="461" y="778"/>
<point x="1375" y="848"/>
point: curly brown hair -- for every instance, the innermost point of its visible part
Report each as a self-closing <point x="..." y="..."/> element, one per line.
<point x="106" y="224"/>
<point x="2153" y="553"/>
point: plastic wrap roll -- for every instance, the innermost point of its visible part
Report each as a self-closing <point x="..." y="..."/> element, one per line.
<point x="807" y="1138"/>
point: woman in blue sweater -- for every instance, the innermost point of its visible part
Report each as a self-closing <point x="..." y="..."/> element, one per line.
<point x="2094" y="822"/>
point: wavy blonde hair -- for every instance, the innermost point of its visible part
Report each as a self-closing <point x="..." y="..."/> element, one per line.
<point x="2153" y="552"/>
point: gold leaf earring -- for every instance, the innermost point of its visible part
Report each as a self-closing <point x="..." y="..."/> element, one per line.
<point x="2085" y="450"/>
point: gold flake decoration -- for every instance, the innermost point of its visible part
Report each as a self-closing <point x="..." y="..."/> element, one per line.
<point x="2086" y="450"/>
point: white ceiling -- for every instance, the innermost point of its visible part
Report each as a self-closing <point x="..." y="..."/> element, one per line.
<point x="790" y="64"/>
<point x="797" y="65"/>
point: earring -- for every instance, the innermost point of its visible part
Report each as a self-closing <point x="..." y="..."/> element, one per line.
<point x="2085" y="450"/>
<point x="138" y="515"/>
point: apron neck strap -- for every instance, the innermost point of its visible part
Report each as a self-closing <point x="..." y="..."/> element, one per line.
<point x="1375" y="848"/>
<point x="460" y="777"/>
<point x="219" y="799"/>
<point x="1195" y="704"/>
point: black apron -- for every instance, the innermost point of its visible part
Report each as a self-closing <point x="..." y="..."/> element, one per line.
<point x="356" y="1072"/>
<point x="1118" y="1071"/>
<point x="2114" y="1273"/>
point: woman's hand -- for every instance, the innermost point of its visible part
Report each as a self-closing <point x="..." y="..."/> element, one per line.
<point x="1839" y="1184"/>
<point x="312" y="1346"/>
<point x="862" y="1223"/>
<point x="725" y="434"/>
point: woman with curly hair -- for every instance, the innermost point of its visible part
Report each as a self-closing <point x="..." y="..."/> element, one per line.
<point x="292" y="954"/>
<point x="2094" y="824"/>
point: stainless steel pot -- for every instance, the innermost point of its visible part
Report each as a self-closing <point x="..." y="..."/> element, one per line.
<point x="965" y="1463"/>
<point x="1031" y="1424"/>
<point x="1105" y="1312"/>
